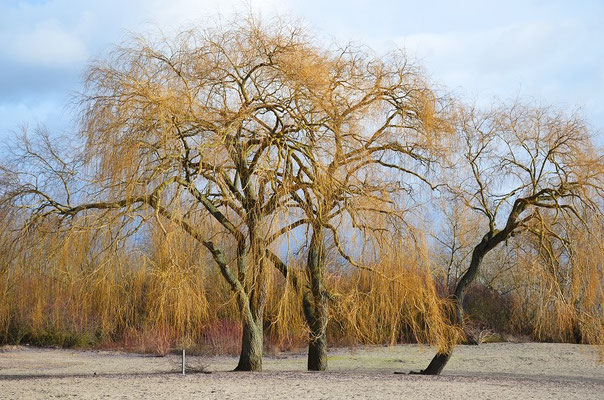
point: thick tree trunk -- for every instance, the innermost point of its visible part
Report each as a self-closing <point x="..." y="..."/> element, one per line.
<point x="252" y="336"/>
<point x="250" y="358"/>
<point x="317" y="352"/>
<point x="316" y="317"/>
<point x="316" y="309"/>
<point x="253" y="300"/>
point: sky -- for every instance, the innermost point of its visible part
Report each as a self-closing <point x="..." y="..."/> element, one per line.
<point x="548" y="51"/>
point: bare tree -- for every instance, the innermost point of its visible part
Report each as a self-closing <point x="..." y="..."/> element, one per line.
<point x="453" y="238"/>
<point x="521" y="169"/>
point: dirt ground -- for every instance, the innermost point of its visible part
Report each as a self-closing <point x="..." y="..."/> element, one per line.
<point x="488" y="371"/>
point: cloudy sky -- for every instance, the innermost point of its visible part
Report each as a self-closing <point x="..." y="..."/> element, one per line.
<point x="548" y="50"/>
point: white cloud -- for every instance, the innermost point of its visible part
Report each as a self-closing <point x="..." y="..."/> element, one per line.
<point x="498" y="49"/>
<point x="535" y="59"/>
<point x="47" y="45"/>
<point x="62" y="33"/>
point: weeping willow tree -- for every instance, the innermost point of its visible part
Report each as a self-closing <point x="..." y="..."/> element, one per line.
<point x="237" y="135"/>
<point x="525" y="171"/>
<point x="371" y="130"/>
<point x="560" y="280"/>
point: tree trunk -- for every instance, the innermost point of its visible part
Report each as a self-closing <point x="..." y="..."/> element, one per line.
<point x="441" y="359"/>
<point x="316" y="310"/>
<point x="250" y="358"/>
<point x="316" y="316"/>
<point x="489" y="241"/>
<point x="317" y="351"/>
<point x="253" y="300"/>
<point x="437" y="364"/>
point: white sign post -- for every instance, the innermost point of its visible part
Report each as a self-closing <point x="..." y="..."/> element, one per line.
<point x="183" y="361"/>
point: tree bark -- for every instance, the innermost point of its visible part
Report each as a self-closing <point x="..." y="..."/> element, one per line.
<point x="316" y="309"/>
<point x="317" y="352"/>
<point x="252" y="304"/>
<point x="316" y="317"/>
<point x="437" y="364"/>
<point x="250" y="358"/>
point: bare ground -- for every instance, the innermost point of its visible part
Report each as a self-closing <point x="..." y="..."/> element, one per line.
<point x="488" y="371"/>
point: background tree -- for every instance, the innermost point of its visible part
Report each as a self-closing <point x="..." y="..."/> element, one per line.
<point x="522" y="169"/>
<point x="559" y="281"/>
<point x="453" y="237"/>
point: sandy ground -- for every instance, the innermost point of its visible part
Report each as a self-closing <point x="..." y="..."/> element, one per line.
<point x="488" y="371"/>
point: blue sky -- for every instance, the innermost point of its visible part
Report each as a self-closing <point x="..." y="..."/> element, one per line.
<point x="551" y="51"/>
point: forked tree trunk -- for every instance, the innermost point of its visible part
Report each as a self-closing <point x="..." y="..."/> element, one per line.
<point x="250" y="358"/>
<point x="316" y="307"/>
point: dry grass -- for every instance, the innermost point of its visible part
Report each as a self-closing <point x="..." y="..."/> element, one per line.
<point x="170" y="295"/>
<point x="561" y="292"/>
<point x="62" y="290"/>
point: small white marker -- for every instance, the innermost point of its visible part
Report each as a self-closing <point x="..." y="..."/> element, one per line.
<point x="183" y="361"/>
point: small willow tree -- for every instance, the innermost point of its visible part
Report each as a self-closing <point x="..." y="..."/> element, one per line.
<point x="237" y="135"/>
<point x="524" y="170"/>
<point x="371" y="130"/>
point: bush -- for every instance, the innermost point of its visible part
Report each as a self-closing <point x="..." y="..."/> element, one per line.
<point x="487" y="309"/>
